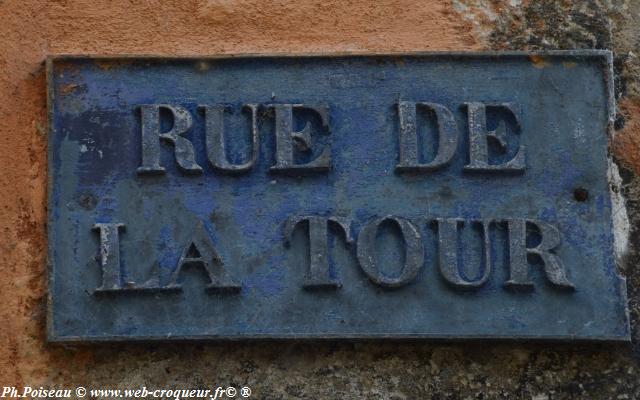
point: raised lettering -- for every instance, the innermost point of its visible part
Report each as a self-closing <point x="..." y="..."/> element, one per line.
<point x="319" y="273"/>
<point x="110" y="256"/>
<point x="201" y="252"/>
<point x="479" y="137"/>
<point x="286" y="138"/>
<point x="447" y="132"/>
<point x="448" y="252"/>
<point x="414" y="252"/>
<point x="518" y="252"/>
<point x="215" y="142"/>
<point x="151" y="136"/>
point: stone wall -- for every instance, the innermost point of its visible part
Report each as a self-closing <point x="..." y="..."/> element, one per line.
<point x="32" y="29"/>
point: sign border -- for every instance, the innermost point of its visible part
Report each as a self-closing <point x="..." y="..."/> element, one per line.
<point x="604" y="56"/>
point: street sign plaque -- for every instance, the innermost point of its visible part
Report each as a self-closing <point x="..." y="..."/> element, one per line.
<point x="431" y="195"/>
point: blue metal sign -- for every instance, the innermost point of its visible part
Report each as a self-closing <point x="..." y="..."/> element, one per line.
<point x="385" y="196"/>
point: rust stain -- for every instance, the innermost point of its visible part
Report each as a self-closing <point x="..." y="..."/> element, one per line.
<point x="105" y="65"/>
<point x="110" y="64"/>
<point x="538" y="61"/>
<point x="68" y="88"/>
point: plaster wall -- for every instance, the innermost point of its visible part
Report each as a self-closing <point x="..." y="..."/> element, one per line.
<point x="31" y="29"/>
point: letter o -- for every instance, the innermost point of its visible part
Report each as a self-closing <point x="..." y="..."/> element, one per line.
<point x="414" y="252"/>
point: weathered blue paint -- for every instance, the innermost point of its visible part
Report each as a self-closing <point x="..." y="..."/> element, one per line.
<point x="94" y="151"/>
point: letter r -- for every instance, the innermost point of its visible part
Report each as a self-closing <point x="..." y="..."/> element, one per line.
<point x="151" y="136"/>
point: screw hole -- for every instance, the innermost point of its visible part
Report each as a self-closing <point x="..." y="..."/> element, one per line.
<point x="581" y="194"/>
<point x="87" y="201"/>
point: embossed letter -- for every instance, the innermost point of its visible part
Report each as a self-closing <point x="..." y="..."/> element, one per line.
<point x="447" y="131"/>
<point x="448" y="252"/>
<point x="200" y="251"/>
<point x="518" y="252"/>
<point x="479" y="136"/>
<point x="216" y="152"/>
<point x="151" y="136"/>
<point x="286" y="138"/>
<point x="319" y="274"/>
<point x="110" y="256"/>
<point x="414" y="252"/>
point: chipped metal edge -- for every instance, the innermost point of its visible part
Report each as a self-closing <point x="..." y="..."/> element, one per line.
<point x="619" y="217"/>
